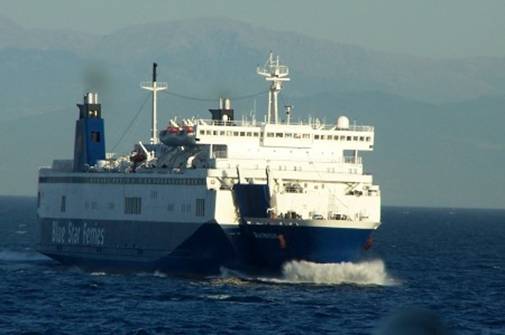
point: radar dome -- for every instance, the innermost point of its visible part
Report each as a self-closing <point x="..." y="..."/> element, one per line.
<point x="343" y="122"/>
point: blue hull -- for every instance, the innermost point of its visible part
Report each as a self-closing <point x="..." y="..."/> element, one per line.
<point x="162" y="246"/>
<point x="198" y="248"/>
<point x="269" y="247"/>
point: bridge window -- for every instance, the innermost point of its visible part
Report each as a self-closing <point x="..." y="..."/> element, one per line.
<point x="368" y="139"/>
<point x="279" y="134"/>
<point x="306" y="136"/>
<point x="270" y="134"/>
<point x="249" y="134"/>
<point x="242" y="133"/>
<point x="316" y="137"/>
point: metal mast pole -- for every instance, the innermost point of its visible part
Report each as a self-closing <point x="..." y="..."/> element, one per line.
<point x="154" y="87"/>
<point x="276" y="73"/>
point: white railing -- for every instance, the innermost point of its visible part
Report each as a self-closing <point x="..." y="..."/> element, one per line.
<point x="313" y="124"/>
<point x="347" y="165"/>
<point x="351" y="160"/>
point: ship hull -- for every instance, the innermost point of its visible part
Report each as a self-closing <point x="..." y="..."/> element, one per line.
<point x="113" y="246"/>
<point x="269" y="247"/>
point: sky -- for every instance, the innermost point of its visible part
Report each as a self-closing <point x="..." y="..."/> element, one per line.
<point x="428" y="28"/>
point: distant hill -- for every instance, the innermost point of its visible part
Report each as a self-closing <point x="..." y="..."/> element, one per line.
<point x="438" y="122"/>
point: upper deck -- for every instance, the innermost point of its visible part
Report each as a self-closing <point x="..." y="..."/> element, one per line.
<point x="294" y="135"/>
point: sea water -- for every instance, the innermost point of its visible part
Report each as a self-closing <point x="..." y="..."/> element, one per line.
<point x="429" y="271"/>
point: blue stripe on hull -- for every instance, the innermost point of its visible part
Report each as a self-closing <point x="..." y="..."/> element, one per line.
<point x="270" y="246"/>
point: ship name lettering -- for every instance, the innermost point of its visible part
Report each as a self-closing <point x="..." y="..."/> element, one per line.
<point x="92" y="235"/>
<point x="74" y="233"/>
<point x="58" y="233"/>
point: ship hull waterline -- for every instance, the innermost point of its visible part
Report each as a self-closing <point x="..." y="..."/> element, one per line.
<point x="193" y="248"/>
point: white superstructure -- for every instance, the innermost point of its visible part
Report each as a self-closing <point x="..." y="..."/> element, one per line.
<point x="314" y="173"/>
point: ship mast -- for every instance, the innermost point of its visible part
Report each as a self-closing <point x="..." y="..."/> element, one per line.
<point x="276" y="73"/>
<point x="154" y="87"/>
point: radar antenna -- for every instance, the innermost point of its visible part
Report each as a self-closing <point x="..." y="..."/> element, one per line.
<point x="154" y="87"/>
<point x="276" y="73"/>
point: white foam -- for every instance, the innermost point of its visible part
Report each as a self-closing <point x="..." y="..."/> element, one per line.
<point x="361" y="273"/>
<point x="217" y="296"/>
<point x="159" y="274"/>
<point x="366" y="273"/>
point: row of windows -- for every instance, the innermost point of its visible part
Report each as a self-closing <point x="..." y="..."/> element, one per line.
<point x="285" y="135"/>
<point x="123" y="180"/>
<point x="342" y="138"/>
<point x="289" y="135"/>
<point x="230" y="133"/>
<point x="132" y="205"/>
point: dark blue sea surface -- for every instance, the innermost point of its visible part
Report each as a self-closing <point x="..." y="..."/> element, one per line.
<point x="429" y="269"/>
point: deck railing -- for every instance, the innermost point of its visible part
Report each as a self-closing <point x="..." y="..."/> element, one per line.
<point x="313" y="124"/>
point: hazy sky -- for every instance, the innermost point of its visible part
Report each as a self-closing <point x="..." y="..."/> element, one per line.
<point x="434" y="28"/>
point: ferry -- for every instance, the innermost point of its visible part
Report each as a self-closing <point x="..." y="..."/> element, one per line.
<point x="206" y="193"/>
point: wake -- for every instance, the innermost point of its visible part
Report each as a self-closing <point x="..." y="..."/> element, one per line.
<point x="365" y="273"/>
<point x="362" y="273"/>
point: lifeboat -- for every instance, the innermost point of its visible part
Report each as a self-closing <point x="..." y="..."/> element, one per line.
<point x="188" y="129"/>
<point x="178" y="135"/>
<point x="173" y="130"/>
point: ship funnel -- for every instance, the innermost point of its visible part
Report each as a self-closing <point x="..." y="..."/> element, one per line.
<point x="91" y="98"/>
<point x="227" y="104"/>
<point x="224" y="112"/>
<point x="89" y="145"/>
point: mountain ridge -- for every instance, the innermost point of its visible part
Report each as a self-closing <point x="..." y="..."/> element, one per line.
<point x="438" y="122"/>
